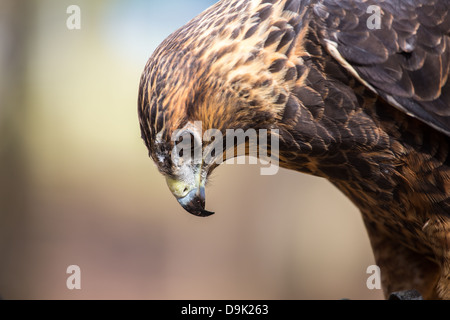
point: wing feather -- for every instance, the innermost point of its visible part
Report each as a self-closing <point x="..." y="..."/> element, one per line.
<point x="406" y="61"/>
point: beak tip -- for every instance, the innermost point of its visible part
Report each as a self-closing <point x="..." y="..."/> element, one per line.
<point x="198" y="211"/>
<point x="194" y="203"/>
<point x="205" y="214"/>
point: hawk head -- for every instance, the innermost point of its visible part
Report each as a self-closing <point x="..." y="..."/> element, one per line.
<point x="218" y="72"/>
<point x="169" y="102"/>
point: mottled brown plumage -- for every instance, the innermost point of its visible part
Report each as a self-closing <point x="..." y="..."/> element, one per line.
<point x="366" y="109"/>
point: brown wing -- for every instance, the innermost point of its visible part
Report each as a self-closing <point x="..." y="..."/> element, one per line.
<point x="405" y="59"/>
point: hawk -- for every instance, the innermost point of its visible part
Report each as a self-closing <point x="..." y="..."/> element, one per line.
<point x="359" y="94"/>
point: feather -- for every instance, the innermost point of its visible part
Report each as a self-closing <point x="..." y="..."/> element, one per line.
<point x="369" y="110"/>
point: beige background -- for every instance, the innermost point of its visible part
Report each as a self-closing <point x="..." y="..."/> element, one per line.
<point x="78" y="188"/>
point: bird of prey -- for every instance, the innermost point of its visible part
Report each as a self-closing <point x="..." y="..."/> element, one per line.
<point x="359" y="94"/>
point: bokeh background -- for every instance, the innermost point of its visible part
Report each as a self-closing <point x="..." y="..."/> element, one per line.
<point x="77" y="186"/>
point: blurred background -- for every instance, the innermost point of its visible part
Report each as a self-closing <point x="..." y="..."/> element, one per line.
<point x="77" y="186"/>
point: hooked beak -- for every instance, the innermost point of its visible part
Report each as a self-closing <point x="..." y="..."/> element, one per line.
<point x="191" y="198"/>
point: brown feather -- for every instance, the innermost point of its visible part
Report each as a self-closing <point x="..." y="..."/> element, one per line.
<point x="367" y="110"/>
